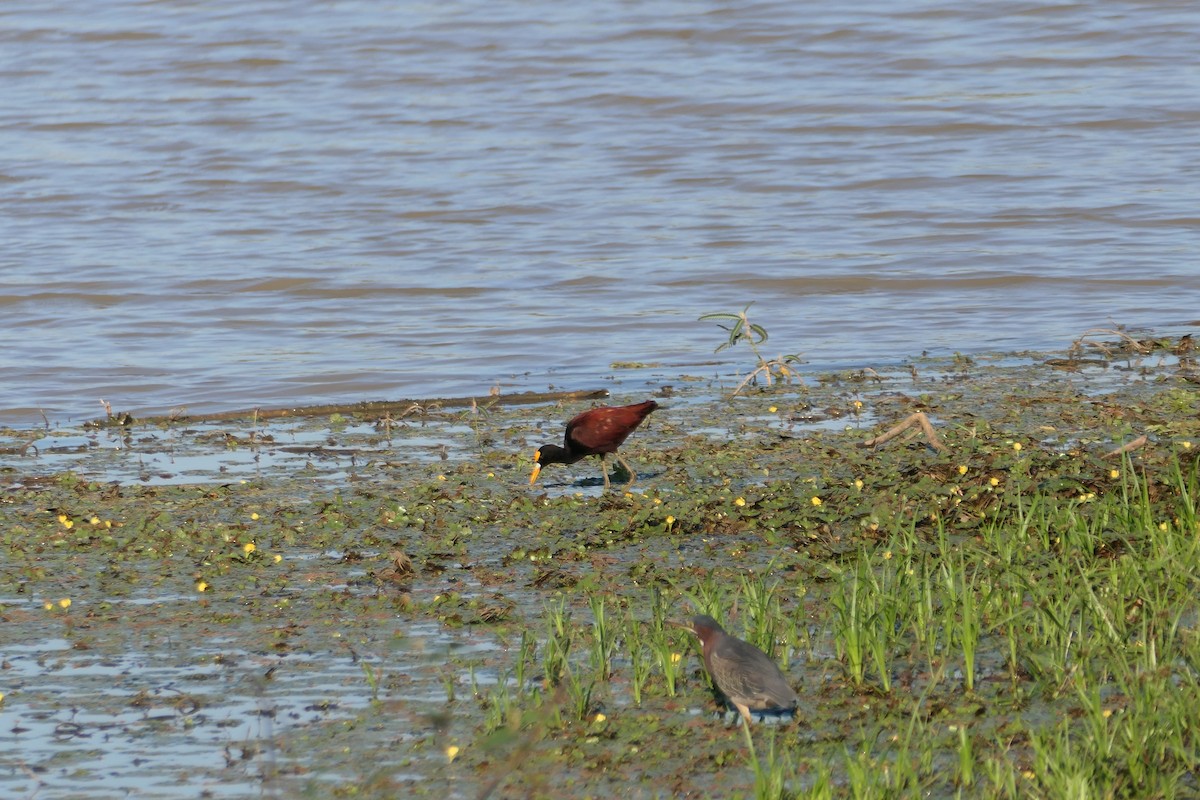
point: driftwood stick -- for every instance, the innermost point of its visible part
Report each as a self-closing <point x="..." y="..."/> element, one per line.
<point x="368" y="408"/>
<point x="917" y="418"/>
<point x="1141" y="441"/>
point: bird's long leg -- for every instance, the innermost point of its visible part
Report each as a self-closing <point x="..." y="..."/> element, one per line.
<point x="629" y="469"/>
<point x="744" y="711"/>
<point x="604" y="470"/>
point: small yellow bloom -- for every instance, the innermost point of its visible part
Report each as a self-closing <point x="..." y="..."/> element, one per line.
<point x="600" y="718"/>
<point x="670" y="520"/>
<point x="887" y="555"/>
<point x="962" y="469"/>
<point x="773" y="409"/>
<point x="491" y="474"/>
<point x="1028" y="775"/>
<point x="1187" y="445"/>
<point x="108" y="523"/>
<point x="858" y="484"/>
<point x="201" y="586"/>
<point x="741" y="501"/>
<point x="94" y="520"/>
<point x="278" y="558"/>
<point x="1106" y="713"/>
<point x="248" y="548"/>
<point x="254" y="515"/>
<point x="64" y="603"/>
<point x="66" y="521"/>
<point x="1115" y="473"/>
<point x="48" y="606"/>
<point x="452" y="753"/>
<point x="1017" y="446"/>
<point x="442" y="478"/>
<point x="658" y="501"/>
<point x="1162" y="526"/>
<point x="994" y="482"/>
<point x="858" y="405"/>
<point x="816" y="501"/>
<point x="676" y="658"/>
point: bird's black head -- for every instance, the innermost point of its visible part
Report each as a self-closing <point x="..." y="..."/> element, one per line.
<point x="548" y="454"/>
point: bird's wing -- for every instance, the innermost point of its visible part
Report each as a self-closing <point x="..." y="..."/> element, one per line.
<point x="603" y="433"/>
<point x="754" y="678"/>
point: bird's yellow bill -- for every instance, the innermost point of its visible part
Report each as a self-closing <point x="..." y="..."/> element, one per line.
<point x="537" y="468"/>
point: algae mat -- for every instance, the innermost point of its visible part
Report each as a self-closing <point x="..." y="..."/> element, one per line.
<point x="376" y="604"/>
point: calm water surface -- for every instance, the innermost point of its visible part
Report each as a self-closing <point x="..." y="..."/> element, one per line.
<point x="227" y="205"/>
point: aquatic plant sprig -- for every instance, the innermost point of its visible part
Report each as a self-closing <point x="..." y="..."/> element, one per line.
<point x="741" y="329"/>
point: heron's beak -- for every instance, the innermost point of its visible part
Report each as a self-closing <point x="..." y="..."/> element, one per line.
<point x="537" y="468"/>
<point x="687" y="626"/>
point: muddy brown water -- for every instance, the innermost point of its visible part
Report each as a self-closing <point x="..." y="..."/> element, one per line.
<point x="239" y="204"/>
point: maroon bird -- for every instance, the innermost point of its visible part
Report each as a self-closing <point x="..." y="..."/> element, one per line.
<point x="597" y="432"/>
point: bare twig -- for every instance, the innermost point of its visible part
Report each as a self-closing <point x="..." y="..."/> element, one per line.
<point x="1086" y="339"/>
<point x="917" y="418"/>
<point x="1141" y="441"/>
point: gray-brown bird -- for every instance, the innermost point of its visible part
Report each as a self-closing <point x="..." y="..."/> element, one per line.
<point x="747" y="676"/>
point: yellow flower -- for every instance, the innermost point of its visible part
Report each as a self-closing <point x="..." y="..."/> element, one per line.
<point x="442" y="478"/>
<point x="858" y="484"/>
<point x="887" y="556"/>
<point x="452" y="753"/>
<point x="48" y="606"/>
<point x="1115" y="473"/>
<point x="491" y="474"/>
<point x="1162" y="526"/>
<point x="670" y="520"/>
<point x="1017" y="446"/>
<point x="94" y="520"/>
<point x="1187" y="445"/>
<point x="201" y="586"/>
<point x="962" y="469"/>
<point x="676" y="658"/>
<point x="1106" y="713"/>
<point x="858" y="405"/>
<point x="254" y="515"/>
<point x="66" y="521"/>
<point x="741" y="501"/>
<point x="248" y="548"/>
<point x="278" y="558"/>
<point x="64" y="603"/>
<point x="600" y="717"/>
<point x="773" y="409"/>
<point x="994" y="482"/>
<point x="816" y="501"/>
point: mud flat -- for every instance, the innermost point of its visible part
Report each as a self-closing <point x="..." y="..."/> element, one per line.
<point x="373" y="602"/>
